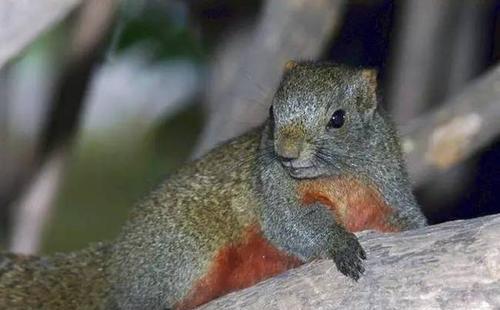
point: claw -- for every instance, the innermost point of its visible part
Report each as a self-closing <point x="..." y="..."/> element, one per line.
<point x="349" y="259"/>
<point x="362" y="254"/>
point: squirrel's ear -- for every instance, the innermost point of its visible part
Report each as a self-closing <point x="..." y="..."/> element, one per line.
<point x="290" y="65"/>
<point x="370" y="76"/>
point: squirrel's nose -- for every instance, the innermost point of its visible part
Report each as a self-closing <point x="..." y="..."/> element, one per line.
<point x="288" y="150"/>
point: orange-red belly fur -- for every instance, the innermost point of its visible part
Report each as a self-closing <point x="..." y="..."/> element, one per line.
<point x="357" y="206"/>
<point x="239" y="266"/>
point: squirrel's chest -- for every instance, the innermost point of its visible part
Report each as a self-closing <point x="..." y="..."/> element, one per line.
<point x="357" y="206"/>
<point x="238" y="266"/>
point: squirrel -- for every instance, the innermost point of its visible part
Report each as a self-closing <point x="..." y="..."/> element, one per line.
<point x="326" y="163"/>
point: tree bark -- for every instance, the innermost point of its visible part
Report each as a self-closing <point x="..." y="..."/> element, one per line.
<point x="455" y="265"/>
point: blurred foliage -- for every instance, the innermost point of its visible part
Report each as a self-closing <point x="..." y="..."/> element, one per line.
<point x="163" y="37"/>
<point x="102" y="183"/>
<point x="215" y="19"/>
<point x="105" y="178"/>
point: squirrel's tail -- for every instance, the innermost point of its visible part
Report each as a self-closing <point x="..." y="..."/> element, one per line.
<point x="62" y="281"/>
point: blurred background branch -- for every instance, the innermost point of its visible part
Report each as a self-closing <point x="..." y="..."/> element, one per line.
<point x="439" y="47"/>
<point x="456" y="130"/>
<point x="34" y="205"/>
<point x="22" y="21"/>
<point x="248" y="67"/>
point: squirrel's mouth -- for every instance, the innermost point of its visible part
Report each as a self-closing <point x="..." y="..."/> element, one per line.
<point x="301" y="171"/>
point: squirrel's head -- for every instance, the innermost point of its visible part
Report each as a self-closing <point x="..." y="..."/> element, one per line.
<point x="320" y="117"/>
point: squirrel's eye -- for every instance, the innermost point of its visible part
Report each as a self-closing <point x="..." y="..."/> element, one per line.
<point x="337" y="120"/>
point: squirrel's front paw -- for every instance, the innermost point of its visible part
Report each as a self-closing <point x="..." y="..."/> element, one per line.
<point x="348" y="257"/>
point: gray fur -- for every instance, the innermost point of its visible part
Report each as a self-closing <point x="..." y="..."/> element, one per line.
<point x="172" y="238"/>
<point x="173" y="235"/>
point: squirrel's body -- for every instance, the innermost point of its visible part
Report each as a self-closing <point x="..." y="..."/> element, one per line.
<point x="189" y="231"/>
<point x="283" y="194"/>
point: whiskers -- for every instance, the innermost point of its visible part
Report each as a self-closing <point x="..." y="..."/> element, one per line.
<point x="323" y="158"/>
<point x="337" y="158"/>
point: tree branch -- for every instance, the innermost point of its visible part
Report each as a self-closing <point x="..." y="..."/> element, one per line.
<point x="32" y="210"/>
<point x="22" y="21"/>
<point x="421" y="56"/>
<point x="457" y="129"/>
<point x="455" y="265"/>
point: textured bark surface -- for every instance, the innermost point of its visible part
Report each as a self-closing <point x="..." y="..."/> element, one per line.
<point x="455" y="265"/>
<point x="22" y="21"/>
